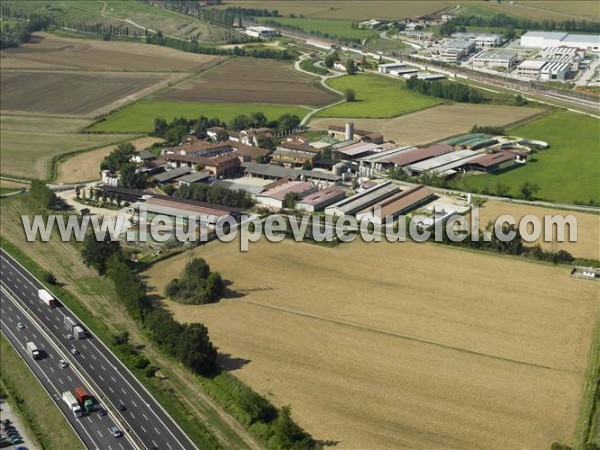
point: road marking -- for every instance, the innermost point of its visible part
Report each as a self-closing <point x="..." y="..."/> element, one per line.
<point x="156" y="429"/>
<point x="90" y="419"/>
<point x="145" y="416"/>
<point x="51" y="369"/>
<point x="123" y="391"/>
<point x="169" y="445"/>
<point x="134" y="403"/>
<point x="111" y="389"/>
<point x="99" y="433"/>
<point x="70" y="379"/>
<point x="55" y="327"/>
<point x="103" y="368"/>
<point x="100" y="376"/>
<point x="113" y="379"/>
<point x="93" y="356"/>
<point x="143" y="429"/>
<point x="132" y="415"/>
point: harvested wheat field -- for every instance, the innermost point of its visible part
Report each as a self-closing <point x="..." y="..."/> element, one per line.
<point x="252" y="80"/>
<point x="86" y="166"/>
<point x="588" y="226"/>
<point x="403" y="345"/>
<point x="437" y="123"/>
<point x="73" y="93"/>
<point x="46" y="51"/>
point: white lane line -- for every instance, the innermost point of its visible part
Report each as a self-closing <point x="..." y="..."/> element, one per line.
<point x="143" y="429"/>
<point x="103" y="368"/>
<point x="93" y="356"/>
<point x="145" y="416"/>
<point x="134" y="403"/>
<point x="113" y="379"/>
<point x="89" y="418"/>
<point x="156" y="429"/>
<point x="100" y="376"/>
<point x="99" y="433"/>
<point x="51" y="369"/>
<point x="132" y="415"/>
<point x="123" y="391"/>
<point x="169" y="445"/>
<point x="111" y="390"/>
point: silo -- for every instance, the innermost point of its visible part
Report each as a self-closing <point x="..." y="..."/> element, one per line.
<point x="349" y="131"/>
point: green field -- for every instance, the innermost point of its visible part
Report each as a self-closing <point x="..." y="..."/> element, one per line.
<point x="376" y="97"/>
<point x="569" y="171"/>
<point x="139" y="117"/>
<point x="333" y="27"/>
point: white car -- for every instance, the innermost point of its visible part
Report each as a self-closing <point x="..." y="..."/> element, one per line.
<point x="63" y="364"/>
<point x="115" y="432"/>
<point x="74" y="351"/>
<point x="20" y="325"/>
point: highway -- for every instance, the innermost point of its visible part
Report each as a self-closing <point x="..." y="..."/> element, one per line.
<point x="145" y="420"/>
<point x="93" y="429"/>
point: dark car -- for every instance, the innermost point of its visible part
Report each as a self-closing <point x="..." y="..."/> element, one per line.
<point x="102" y="411"/>
<point x="121" y="407"/>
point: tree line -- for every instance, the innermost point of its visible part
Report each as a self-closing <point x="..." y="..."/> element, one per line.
<point x="197" y="284"/>
<point x="456" y="92"/>
<point x="20" y="33"/>
<point x="216" y="195"/>
<point x="504" y="21"/>
<point x="317" y="33"/>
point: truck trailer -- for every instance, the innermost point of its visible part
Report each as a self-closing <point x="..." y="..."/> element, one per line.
<point x="74" y="328"/>
<point x="72" y="403"/>
<point x="47" y="298"/>
<point x="34" y="351"/>
<point x="85" y="398"/>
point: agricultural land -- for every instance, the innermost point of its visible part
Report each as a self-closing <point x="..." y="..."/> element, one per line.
<point x="376" y="97"/>
<point x="479" y="369"/>
<point x="567" y="172"/>
<point x="251" y="80"/>
<point x="437" y="123"/>
<point x="339" y="28"/>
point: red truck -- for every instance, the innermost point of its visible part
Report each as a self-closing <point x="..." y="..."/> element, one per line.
<point x="84" y="398"/>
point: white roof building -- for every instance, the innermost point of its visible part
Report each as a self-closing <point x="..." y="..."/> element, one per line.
<point x="588" y="42"/>
<point x="542" y="39"/>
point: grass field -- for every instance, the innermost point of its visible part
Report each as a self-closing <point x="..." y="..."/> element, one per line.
<point x="76" y="94"/>
<point x="251" y="80"/>
<point x="376" y="97"/>
<point x="29" y="143"/>
<point x="35" y="406"/>
<point x="86" y="166"/>
<point x="588" y="226"/>
<point x="434" y="124"/>
<point x="534" y="10"/>
<point x="567" y="172"/>
<point x="47" y="51"/>
<point x="139" y="117"/>
<point x="333" y="27"/>
<point x="380" y="346"/>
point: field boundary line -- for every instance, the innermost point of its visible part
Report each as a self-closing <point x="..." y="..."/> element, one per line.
<point x="401" y="336"/>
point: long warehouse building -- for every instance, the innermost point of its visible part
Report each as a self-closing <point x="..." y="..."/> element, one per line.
<point x="362" y="200"/>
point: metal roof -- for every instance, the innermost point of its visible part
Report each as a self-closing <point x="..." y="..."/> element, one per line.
<point x="283" y="172"/>
<point x="365" y="199"/>
<point x="441" y="163"/>
<point x="591" y="39"/>
<point x="194" y="177"/>
<point x="172" y="174"/>
<point x="545" y="34"/>
<point x="533" y="64"/>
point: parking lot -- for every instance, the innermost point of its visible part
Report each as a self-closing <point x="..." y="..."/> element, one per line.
<point x="18" y="430"/>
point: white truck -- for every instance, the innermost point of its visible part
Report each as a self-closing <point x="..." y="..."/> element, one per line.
<point x="72" y="403"/>
<point x="33" y="350"/>
<point x="47" y="298"/>
<point x="74" y="328"/>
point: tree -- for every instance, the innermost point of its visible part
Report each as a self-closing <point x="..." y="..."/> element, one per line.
<point x="78" y="191"/>
<point x="287" y="122"/>
<point x="350" y="95"/>
<point x="96" y="253"/>
<point x="49" y="277"/>
<point x="130" y="178"/>
<point x="215" y="286"/>
<point x="330" y="60"/>
<point x="265" y="141"/>
<point x="290" y="199"/>
<point x="258" y="119"/>
<point x="240" y="122"/>
<point x="502" y="190"/>
<point x="195" y="350"/>
<point x="120" y="156"/>
<point x="222" y="135"/>
<point x="42" y="194"/>
<point x="350" y="67"/>
<point x="528" y="190"/>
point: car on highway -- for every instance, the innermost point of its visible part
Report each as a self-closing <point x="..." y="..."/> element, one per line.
<point x="102" y="411"/>
<point x="121" y="407"/>
<point x="63" y="364"/>
<point x="20" y="325"/>
<point x="115" y="432"/>
<point x="74" y="351"/>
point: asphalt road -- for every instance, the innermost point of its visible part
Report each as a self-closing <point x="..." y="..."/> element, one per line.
<point x="143" y="417"/>
<point x="93" y="428"/>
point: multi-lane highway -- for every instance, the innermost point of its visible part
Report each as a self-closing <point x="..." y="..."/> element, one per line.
<point x="93" y="429"/>
<point x="144" y="419"/>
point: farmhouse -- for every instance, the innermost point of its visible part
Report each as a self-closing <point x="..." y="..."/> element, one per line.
<point x="320" y="199"/>
<point x="274" y="198"/>
<point x="143" y="156"/>
<point x="496" y="58"/>
<point x="397" y="204"/>
<point x="199" y="147"/>
<point x="271" y="172"/>
<point x="262" y="32"/>
<point x="362" y="200"/>
<point x="248" y="153"/>
<point x="219" y="166"/>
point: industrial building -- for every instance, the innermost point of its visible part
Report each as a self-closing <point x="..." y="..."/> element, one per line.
<point x="397" y="204"/>
<point x="362" y="200"/>
<point x="496" y="58"/>
<point x="320" y="200"/>
<point x="586" y="42"/>
<point x="530" y="68"/>
<point x="456" y="49"/>
<point x="555" y="71"/>
<point x="262" y="32"/>
<point x="387" y="68"/>
<point x="481" y="40"/>
<point x="542" y="39"/>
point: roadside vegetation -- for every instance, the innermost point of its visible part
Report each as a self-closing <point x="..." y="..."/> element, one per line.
<point x="30" y="400"/>
<point x="309" y="65"/>
<point x="340" y="30"/>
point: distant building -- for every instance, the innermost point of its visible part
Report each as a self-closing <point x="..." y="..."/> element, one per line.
<point x="274" y="198"/>
<point x="348" y="132"/>
<point x="456" y="49"/>
<point x="262" y="32"/>
<point x="555" y="71"/>
<point x="481" y="40"/>
<point x="530" y="68"/>
<point x="370" y="24"/>
<point x="587" y="42"/>
<point x="542" y="39"/>
<point x="320" y="199"/>
<point x="496" y="58"/>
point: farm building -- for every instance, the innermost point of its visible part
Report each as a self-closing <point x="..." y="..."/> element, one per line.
<point x="541" y="39"/>
<point x="355" y="151"/>
<point x="247" y="153"/>
<point x="362" y="200"/>
<point x="295" y="153"/>
<point x="172" y="175"/>
<point x="413" y="155"/>
<point x="496" y="58"/>
<point x="444" y="165"/>
<point x="348" y="132"/>
<point x="262" y="32"/>
<point x="273" y="198"/>
<point x="252" y="186"/>
<point x="426" y="76"/>
<point x="195" y="177"/>
<point x="492" y="162"/>
<point x="531" y="68"/>
<point x="143" y="156"/>
<point x="199" y="147"/>
<point x="320" y="199"/>
<point x="403" y="72"/>
<point x="382" y="160"/>
<point x="271" y="172"/>
<point x="398" y="204"/>
<point x="555" y="71"/>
